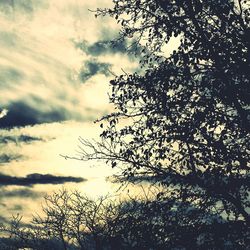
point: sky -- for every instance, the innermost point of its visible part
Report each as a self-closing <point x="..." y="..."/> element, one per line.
<point x="55" y="64"/>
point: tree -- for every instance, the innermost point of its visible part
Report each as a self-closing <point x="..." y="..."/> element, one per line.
<point x="70" y="220"/>
<point x="74" y="221"/>
<point x="185" y="120"/>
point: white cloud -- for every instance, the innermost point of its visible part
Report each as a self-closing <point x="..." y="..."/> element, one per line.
<point x="39" y="61"/>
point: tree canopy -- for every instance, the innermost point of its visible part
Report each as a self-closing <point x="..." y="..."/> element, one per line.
<point x="185" y="120"/>
<point x="182" y="123"/>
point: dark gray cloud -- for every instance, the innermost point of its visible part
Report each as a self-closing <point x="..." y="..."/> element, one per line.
<point x="101" y="47"/>
<point x="35" y="178"/>
<point x="38" y="78"/>
<point x="22" y="192"/>
<point x="21" y="113"/>
<point x="92" y="68"/>
<point x="110" y="46"/>
<point x="6" y="158"/>
<point x="19" y="139"/>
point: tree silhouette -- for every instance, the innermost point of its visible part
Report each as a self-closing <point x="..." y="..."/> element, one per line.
<point x="70" y="220"/>
<point x="185" y="121"/>
<point x="182" y="123"/>
<point x="74" y="221"/>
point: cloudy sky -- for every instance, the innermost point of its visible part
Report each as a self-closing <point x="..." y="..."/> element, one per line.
<point x="55" y="63"/>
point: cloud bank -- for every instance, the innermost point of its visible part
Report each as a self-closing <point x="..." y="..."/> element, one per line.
<point x="51" y="52"/>
<point x="35" y="178"/>
<point x="55" y="64"/>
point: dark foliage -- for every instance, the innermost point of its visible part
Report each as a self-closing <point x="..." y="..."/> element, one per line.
<point x="186" y="121"/>
<point x="74" y="221"/>
<point x="183" y="123"/>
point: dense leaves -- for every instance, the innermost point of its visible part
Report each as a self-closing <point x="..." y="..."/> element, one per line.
<point x="74" y="221"/>
<point x="186" y="120"/>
